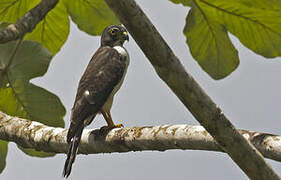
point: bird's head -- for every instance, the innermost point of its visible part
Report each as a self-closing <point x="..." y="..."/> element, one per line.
<point x="114" y="35"/>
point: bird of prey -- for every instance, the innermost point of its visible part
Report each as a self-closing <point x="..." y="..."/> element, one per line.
<point x="101" y="80"/>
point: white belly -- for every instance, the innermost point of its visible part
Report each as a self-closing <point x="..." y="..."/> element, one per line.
<point x="121" y="50"/>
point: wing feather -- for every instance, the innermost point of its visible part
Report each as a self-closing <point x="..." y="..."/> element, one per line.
<point x="102" y="74"/>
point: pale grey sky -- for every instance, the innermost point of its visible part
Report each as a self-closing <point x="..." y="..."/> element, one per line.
<point x="250" y="97"/>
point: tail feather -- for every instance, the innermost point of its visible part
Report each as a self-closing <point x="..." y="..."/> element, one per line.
<point x="72" y="151"/>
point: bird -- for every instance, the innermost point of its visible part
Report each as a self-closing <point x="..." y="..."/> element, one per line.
<point x="101" y="80"/>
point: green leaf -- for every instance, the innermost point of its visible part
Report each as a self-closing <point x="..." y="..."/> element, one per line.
<point x="21" y="98"/>
<point x="51" y="32"/>
<point x="257" y="27"/>
<point x="3" y="154"/>
<point x="257" y="24"/>
<point x="209" y="44"/>
<point x="31" y="60"/>
<point x="12" y="10"/>
<point x="183" y="2"/>
<point x="3" y="25"/>
<point x="262" y="4"/>
<point x="91" y="16"/>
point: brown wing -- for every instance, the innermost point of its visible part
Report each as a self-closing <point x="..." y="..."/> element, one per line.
<point x="102" y="74"/>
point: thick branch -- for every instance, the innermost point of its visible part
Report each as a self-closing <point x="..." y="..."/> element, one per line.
<point x="35" y="135"/>
<point x="170" y="70"/>
<point x="28" y="22"/>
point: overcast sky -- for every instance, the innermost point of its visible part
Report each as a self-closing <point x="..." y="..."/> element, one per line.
<point x="250" y="97"/>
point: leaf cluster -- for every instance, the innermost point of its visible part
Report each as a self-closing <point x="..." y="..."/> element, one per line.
<point x="30" y="57"/>
<point x="257" y="24"/>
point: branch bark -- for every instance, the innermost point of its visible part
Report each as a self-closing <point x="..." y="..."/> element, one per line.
<point x="31" y="134"/>
<point x="171" y="71"/>
<point x="28" y="22"/>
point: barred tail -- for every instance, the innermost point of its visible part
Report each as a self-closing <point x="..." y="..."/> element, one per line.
<point x="72" y="151"/>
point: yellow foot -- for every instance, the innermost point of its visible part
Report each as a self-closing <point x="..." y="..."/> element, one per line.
<point x="118" y="126"/>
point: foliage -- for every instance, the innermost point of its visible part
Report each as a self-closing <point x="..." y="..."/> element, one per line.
<point x="27" y="60"/>
<point x="52" y="31"/>
<point x="91" y="16"/>
<point x="3" y="154"/>
<point x="210" y="45"/>
<point x="257" y="24"/>
<point x="19" y="96"/>
<point x="21" y="62"/>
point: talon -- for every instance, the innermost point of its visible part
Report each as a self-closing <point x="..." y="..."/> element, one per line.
<point x="108" y="128"/>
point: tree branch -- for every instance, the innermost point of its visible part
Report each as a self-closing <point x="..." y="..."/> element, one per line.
<point x="28" y="22"/>
<point x="171" y="71"/>
<point x="31" y="134"/>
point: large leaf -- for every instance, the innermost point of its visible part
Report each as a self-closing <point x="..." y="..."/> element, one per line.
<point x="3" y="25"/>
<point x="52" y="31"/>
<point x="257" y="24"/>
<point x="91" y="16"/>
<point x="31" y="60"/>
<point x="258" y="28"/>
<point x="12" y="10"/>
<point x="209" y="44"/>
<point x="21" y="98"/>
<point x="262" y="4"/>
<point x="3" y="154"/>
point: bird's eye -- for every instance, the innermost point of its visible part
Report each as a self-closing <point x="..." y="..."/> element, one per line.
<point x="113" y="31"/>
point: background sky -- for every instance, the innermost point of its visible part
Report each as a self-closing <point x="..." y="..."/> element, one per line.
<point x="250" y="97"/>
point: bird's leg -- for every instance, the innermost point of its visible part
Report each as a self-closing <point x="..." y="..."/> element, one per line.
<point x="110" y="120"/>
<point x="110" y="124"/>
